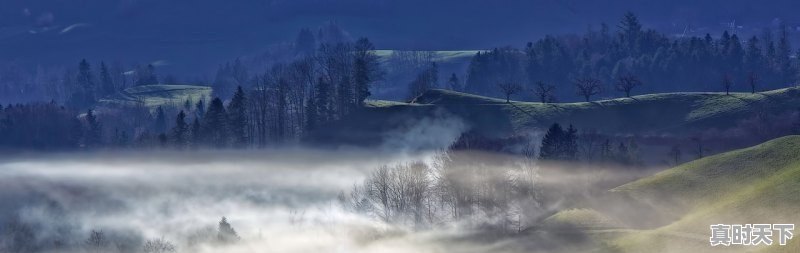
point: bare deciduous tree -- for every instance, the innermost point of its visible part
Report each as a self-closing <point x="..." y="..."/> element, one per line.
<point x="626" y="83"/>
<point x="425" y="194"/>
<point x="727" y="83"/>
<point x="545" y="92"/>
<point x="588" y="87"/>
<point x="509" y="88"/>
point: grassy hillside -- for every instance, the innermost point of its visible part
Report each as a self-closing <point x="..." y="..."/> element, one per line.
<point x="755" y="185"/>
<point x="654" y="114"/>
<point x="157" y="95"/>
<point x="760" y="184"/>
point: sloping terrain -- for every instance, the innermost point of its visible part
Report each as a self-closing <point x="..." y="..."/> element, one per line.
<point x="667" y="114"/>
<point x="653" y="113"/>
<point x="756" y="185"/>
<point x="760" y="185"/>
<point x="153" y="96"/>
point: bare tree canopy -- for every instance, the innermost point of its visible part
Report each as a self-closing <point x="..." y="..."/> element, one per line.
<point x="588" y="87"/>
<point x="727" y="83"/>
<point x="545" y="92"/>
<point x="509" y="88"/>
<point x="626" y="83"/>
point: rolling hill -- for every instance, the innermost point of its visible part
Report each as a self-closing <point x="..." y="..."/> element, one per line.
<point x="760" y="184"/>
<point x="153" y="96"/>
<point x="755" y="185"/>
<point x="666" y="114"/>
<point x="653" y="113"/>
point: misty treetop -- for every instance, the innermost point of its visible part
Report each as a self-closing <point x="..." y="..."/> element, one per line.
<point x="628" y="56"/>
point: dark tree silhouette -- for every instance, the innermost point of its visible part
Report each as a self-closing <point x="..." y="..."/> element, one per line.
<point x="509" y="88"/>
<point x="626" y="83"/>
<point x="545" y="92"/>
<point x="366" y="68"/>
<point x="727" y="83"/>
<point x="237" y="118"/>
<point x="180" y="133"/>
<point x="559" y="144"/>
<point x="588" y="87"/>
<point x="160" y="124"/>
<point x="215" y="124"/>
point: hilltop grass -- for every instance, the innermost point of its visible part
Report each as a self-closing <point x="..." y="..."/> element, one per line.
<point x="152" y="96"/>
<point x="760" y="184"/>
<point x="756" y="185"/>
<point x="671" y="112"/>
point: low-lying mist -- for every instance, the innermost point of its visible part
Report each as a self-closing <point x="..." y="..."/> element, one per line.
<point x="286" y="201"/>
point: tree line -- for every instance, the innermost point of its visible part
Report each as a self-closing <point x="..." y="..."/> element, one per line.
<point x="604" y="61"/>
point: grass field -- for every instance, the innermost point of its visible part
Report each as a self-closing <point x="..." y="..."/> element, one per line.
<point x="756" y="185"/>
<point x="760" y="184"/>
<point x="153" y="96"/>
<point x="672" y="113"/>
